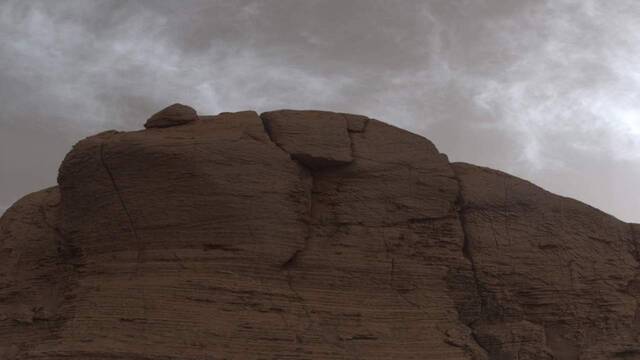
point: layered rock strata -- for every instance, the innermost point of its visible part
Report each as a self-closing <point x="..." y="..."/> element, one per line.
<point x="306" y="235"/>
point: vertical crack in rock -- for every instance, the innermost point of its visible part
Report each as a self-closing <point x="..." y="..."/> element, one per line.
<point x="294" y="257"/>
<point x="69" y="253"/>
<point x="351" y="145"/>
<point x="635" y="238"/>
<point x="297" y="253"/>
<point x="350" y="132"/>
<point x="267" y="129"/>
<point x="292" y="261"/>
<point x="467" y="253"/>
<point x="131" y="227"/>
<point x="124" y="206"/>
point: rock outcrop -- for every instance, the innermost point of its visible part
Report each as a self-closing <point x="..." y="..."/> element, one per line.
<point x="306" y="235"/>
<point x="173" y="115"/>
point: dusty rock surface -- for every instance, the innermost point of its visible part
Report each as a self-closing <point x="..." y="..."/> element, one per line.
<point x="172" y="115"/>
<point x="307" y="235"/>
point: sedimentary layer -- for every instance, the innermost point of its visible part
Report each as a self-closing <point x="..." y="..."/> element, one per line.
<point x="306" y="235"/>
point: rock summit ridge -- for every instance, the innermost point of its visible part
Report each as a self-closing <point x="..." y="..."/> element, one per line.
<point x="306" y="235"/>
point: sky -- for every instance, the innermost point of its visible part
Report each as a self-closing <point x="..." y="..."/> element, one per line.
<point x="545" y="90"/>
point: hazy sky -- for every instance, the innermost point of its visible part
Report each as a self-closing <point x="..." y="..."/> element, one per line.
<point x="546" y="90"/>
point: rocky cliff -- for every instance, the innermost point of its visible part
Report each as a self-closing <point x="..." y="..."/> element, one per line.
<point x="306" y="235"/>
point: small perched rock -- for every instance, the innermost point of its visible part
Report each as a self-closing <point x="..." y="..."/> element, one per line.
<point x="173" y="115"/>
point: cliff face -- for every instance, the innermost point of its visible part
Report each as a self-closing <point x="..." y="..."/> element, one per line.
<point x="306" y="235"/>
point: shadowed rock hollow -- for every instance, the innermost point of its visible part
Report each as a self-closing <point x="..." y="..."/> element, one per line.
<point x="306" y="235"/>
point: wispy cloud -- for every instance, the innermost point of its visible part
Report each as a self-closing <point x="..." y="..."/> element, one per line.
<point x="548" y="90"/>
<point x="577" y="80"/>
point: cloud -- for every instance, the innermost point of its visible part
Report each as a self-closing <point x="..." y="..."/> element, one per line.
<point x="547" y="90"/>
<point x="579" y="79"/>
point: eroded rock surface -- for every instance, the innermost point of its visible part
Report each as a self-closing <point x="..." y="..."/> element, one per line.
<point x="549" y="265"/>
<point x="172" y="115"/>
<point x="314" y="138"/>
<point x="307" y="235"/>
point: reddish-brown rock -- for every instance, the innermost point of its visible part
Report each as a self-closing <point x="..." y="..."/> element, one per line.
<point x="314" y="138"/>
<point x="548" y="265"/>
<point x="172" y="115"/>
<point x="307" y="235"/>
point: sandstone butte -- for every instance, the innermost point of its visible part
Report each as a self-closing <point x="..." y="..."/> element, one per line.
<point x="306" y="235"/>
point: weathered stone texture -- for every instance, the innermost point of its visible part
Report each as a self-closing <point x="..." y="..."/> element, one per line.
<point x="172" y="115"/>
<point x="307" y="235"/>
<point x="551" y="265"/>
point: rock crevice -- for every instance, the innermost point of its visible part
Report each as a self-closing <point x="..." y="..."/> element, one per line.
<point x="306" y="234"/>
<point x="468" y="254"/>
<point x="118" y="193"/>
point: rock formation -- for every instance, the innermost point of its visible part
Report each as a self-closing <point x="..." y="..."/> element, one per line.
<point x="306" y="235"/>
<point x="173" y="115"/>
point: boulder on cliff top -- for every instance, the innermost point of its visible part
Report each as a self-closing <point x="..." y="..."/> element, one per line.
<point x="307" y="235"/>
<point x="172" y="115"/>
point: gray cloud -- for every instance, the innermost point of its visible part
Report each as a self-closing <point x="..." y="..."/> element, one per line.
<point x="547" y="90"/>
